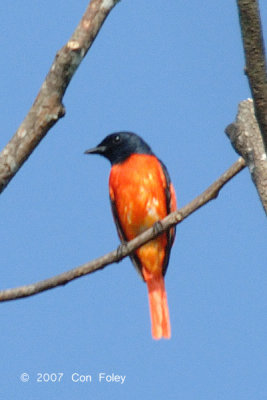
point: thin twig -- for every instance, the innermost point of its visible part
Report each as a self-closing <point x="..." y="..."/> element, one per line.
<point x="126" y="249"/>
<point x="47" y="107"/>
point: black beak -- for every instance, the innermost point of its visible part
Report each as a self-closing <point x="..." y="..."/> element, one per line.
<point x="96" y="150"/>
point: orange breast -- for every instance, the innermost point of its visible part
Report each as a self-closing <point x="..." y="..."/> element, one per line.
<point x="137" y="188"/>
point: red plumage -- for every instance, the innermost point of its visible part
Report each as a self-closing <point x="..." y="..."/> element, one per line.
<point x="141" y="195"/>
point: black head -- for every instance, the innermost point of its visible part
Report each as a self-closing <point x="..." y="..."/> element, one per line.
<point x="118" y="146"/>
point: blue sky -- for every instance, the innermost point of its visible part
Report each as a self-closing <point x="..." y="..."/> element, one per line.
<point x="174" y="74"/>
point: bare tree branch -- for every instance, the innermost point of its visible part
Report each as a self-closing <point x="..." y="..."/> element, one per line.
<point x="47" y="107"/>
<point x="126" y="249"/>
<point x="250" y="22"/>
<point x="246" y="139"/>
<point x="248" y="135"/>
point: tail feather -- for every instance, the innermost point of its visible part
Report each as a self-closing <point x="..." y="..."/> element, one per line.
<point x="159" y="311"/>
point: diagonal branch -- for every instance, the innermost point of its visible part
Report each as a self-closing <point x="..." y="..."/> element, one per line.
<point x="250" y="22"/>
<point x="47" y="107"/>
<point x="124" y="250"/>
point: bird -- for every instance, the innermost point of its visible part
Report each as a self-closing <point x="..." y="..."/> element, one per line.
<point x="141" y="194"/>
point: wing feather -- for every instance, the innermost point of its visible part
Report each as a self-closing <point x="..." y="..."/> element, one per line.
<point x="171" y="206"/>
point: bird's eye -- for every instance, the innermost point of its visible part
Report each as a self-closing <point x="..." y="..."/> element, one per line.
<point x="117" y="139"/>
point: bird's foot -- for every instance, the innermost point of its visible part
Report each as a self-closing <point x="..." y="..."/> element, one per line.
<point x="121" y="250"/>
<point x="158" y="228"/>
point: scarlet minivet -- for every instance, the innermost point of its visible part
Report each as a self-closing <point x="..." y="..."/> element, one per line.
<point x="141" y="194"/>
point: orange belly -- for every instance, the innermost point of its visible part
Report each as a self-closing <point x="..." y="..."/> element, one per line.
<point x="137" y="187"/>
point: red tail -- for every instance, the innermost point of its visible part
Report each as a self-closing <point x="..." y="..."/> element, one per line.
<point x="159" y="311"/>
